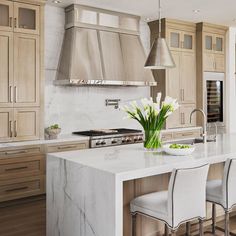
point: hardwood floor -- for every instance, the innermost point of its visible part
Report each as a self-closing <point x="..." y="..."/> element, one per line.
<point x="27" y="217"/>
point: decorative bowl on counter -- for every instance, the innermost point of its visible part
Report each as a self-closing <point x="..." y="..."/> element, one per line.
<point x="178" y="149"/>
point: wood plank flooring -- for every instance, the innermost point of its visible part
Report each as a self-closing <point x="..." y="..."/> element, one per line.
<point x="28" y="218"/>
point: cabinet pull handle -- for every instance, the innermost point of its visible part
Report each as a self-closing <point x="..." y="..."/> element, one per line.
<point x="15" y="22"/>
<point x="16" y="152"/>
<point x="187" y="134"/>
<point x="10" y="94"/>
<point x="17" y="168"/>
<point x="66" y="147"/>
<point x="15" y="95"/>
<point x="15" y="128"/>
<point x="16" y="189"/>
<point x="183" y="95"/>
<point x="10" y="22"/>
<point x="10" y="128"/>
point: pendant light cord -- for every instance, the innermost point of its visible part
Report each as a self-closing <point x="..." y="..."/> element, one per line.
<point x="159" y="33"/>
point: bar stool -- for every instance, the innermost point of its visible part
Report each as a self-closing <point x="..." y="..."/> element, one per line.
<point x="223" y="193"/>
<point x="184" y="201"/>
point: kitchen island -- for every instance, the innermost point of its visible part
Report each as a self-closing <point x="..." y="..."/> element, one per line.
<point x="88" y="191"/>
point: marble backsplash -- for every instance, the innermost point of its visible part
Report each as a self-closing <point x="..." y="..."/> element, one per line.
<point x="81" y="108"/>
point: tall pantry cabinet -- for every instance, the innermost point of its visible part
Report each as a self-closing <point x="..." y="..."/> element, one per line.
<point x="178" y="82"/>
<point x="21" y="69"/>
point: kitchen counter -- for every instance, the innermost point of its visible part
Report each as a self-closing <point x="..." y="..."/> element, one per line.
<point x="60" y="139"/>
<point x="85" y="188"/>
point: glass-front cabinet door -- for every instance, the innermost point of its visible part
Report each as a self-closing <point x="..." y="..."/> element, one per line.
<point x="174" y="39"/>
<point x="6" y="15"/>
<point x="209" y="43"/>
<point x="26" y="18"/>
<point x="219" y="44"/>
<point x="188" y="42"/>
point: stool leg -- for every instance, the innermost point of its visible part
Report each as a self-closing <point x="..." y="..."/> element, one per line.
<point x="166" y="230"/>
<point x="213" y="218"/>
<point x="201" y="230"/>
<point x="133" y="225"/>
<point x="227" y="232"/>
<point x="173" y="232"/>
<point x="188" y="229"/>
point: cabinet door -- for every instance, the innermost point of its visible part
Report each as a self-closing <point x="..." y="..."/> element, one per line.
<point x="26" y="124"/>
<point x="174" y="39"/>
<point x="6" y="121"/>
<point x="188" y="42"/>
<point x="26" y="70"/>
<point x="188" y="77"/>
<point x="185" y="112"/>
<point x="174" y="120"/>
<point x="219" y="44"/>
<point x="112" y="56"/>
<point x="173" y="77"/>
<point x="26" y="18"/>
<point x="6" y="69"/>
<point x="219" y="63"/>
<point x="209" y="62"/>
<point x="208" y="42"/>
<point x="6" y="15"/>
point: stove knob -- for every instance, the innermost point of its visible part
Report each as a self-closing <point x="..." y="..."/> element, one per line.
<point x="113" y="141"/>
<point x="123" y="140"/>
<point x="98" y="143"/>
<point x="140" y="138"/>
<point x="103" y="142"/>
<point x="136" y="139"/>
<point x="128" y="140"/>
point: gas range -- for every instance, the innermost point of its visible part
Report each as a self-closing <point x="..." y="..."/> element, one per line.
<point x="112" y="137"/>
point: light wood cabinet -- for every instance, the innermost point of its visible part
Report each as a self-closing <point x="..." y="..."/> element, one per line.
<point x="185" y="111"/>
<point x="178" y="82"/>
<point x="6" y="120"/>
<point x="188" y="78"/>
<point x="19" y="17"/>
<point x="6" y="69"/>
<point x="181" y="40"/>
<point x="26" y="70"/>
<point x="6" y="15"/>
<point x="214" y="43"/>
<point x="26" y="18"/>
<point x="21" y="70"/>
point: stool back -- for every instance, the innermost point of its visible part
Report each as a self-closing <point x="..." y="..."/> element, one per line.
<point x="187" y="194"/>
<point x="229" y="183"/>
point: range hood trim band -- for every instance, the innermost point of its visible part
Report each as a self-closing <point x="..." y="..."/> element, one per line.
<point x="75" y="82"/>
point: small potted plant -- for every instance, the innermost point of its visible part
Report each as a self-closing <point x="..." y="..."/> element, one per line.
<point x="53" y="131"/>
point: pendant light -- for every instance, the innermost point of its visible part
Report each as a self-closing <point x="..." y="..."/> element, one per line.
<point x="160" y="56"/>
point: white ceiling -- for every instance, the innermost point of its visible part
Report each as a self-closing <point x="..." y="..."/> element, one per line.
<point x="213" y="11"/>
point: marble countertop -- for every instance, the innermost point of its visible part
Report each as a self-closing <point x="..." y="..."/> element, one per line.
<point x="132" y="161"/>
<point x="61" y="139"/>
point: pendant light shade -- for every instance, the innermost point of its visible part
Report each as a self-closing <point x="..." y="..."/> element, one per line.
<point x="160" y="56"/>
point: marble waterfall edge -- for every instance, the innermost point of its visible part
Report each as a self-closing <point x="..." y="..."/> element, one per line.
<point x="79" y="200"/>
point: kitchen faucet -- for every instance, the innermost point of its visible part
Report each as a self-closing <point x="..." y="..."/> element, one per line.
<point x="204" y="134"/>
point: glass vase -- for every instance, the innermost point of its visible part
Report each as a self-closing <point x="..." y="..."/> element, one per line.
<point x="152" y="140"/>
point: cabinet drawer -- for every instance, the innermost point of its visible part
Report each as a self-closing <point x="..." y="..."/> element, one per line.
<point x="21" y="167"/>
<point x="186" y="134"/>
<point x="20" y="188"/>
<point x="13" y="151"/>
<point x="66" y="147"/>
<point x="166" y="136"/>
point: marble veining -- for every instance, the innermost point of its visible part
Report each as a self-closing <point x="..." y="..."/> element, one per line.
<point x="85" y="187"/>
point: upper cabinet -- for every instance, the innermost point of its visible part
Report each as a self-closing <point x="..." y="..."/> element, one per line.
<point x="19" y="17"/>
<point x="214" y="43"/>
<point x="6" y="15"/>
<point x="181" y="40"/>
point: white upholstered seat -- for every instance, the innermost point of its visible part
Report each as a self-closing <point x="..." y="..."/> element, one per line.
<point x="223" y="192"/>
<point x="184" y="201"/>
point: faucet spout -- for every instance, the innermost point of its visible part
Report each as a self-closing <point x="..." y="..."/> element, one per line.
<point x="204" y="127"/>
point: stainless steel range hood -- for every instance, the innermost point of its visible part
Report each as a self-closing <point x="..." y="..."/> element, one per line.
<point x="102" y="48"/>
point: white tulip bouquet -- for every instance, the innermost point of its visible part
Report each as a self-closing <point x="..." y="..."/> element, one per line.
<point x="152" y="116"/>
